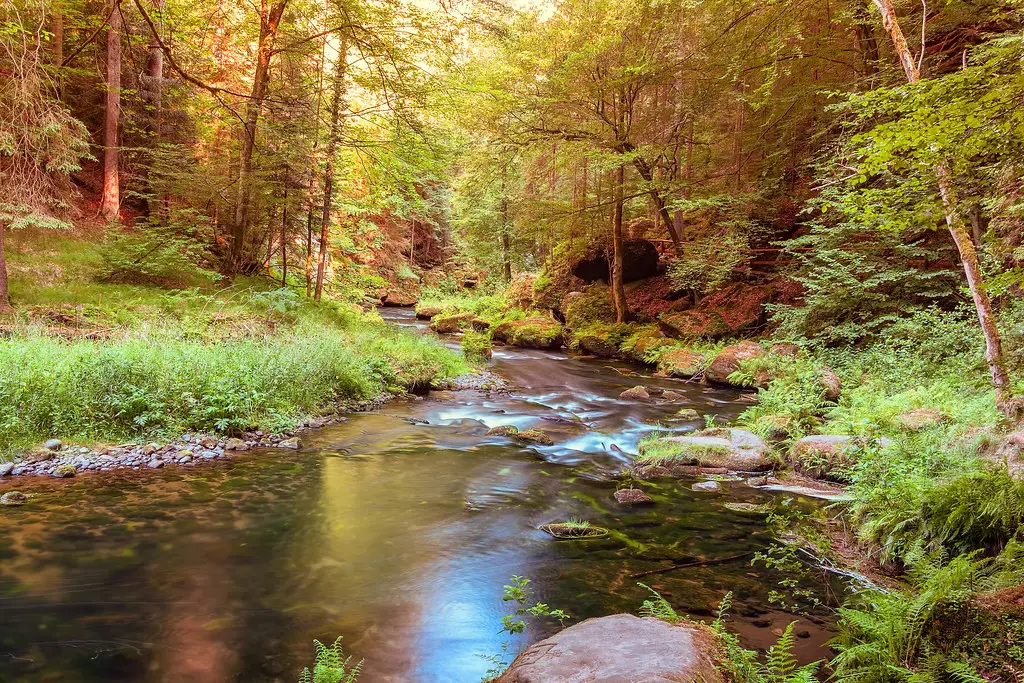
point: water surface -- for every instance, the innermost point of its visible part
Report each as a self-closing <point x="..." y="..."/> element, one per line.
<point x="395" y="529"/>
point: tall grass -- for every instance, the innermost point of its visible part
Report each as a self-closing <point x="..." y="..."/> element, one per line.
<point x="157" y="382"/>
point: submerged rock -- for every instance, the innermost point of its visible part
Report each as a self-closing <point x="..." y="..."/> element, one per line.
<point x="706" y="486"/>
<point x="12" y="498"/>
<point x="620" y="647"/>
<point x="633" y="496"/>
<point x="534" y="436"/>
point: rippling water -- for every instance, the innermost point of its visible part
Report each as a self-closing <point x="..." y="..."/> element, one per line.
<point x="395" y="529"/>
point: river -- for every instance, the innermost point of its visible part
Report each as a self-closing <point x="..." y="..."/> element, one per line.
<point x="396" y="529"/>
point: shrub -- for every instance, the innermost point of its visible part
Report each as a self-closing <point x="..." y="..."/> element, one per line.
<point x="476" y="346"/>
<point x="332" y="666"/>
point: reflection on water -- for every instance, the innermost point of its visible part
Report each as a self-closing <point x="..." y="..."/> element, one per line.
<point x="396" y="529"/>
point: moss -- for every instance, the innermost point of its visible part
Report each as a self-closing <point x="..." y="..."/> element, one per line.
<point x="592" y="305"/>
<point x="664" y="452"/>
<point x="645" y="344"/>
<point x="534" y="436"/>
<point x="447" y="324"/>
<point x="533" y="333"/>
<point x="681" y="362"/>
<point x="476" y="346"/>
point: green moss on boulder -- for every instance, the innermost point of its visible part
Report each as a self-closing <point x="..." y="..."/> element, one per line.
<point x="532" y="333"/>
<point x="448" y="324"/>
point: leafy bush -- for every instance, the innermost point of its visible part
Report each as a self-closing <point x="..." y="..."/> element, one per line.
<point x="158" y="252"/>
<point x="476" y="346"/>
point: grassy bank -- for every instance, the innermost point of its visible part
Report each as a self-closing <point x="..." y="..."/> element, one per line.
<point x="87" y="360"/>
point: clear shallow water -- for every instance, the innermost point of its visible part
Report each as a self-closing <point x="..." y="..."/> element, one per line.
<point x="396" y="529"/>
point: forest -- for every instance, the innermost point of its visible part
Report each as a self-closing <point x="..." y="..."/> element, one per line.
<point x="512" y="340"/>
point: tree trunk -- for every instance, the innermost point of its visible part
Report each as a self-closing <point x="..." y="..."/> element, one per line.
<point x="958" y="231"/>
<point x="58" y="51"/>
<point x="284" y="238"/>
<point x="332" y="145"/>
<point x="618" y="293"/>
<point x="270" y="18"/>
<point x="110" y="204"/>
<point x="155" y="95"/>
<point x="5" y="297"/>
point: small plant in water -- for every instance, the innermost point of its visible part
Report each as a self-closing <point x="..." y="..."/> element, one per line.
<point x="331" y="666"/>
<point x="574" y="528"/>
<point x="519" y="593"/>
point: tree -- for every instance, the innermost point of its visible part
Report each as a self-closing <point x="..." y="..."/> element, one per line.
<point x="110" y="203"/>
<point x="333" y="136"/>
<point x="958" y="230"/>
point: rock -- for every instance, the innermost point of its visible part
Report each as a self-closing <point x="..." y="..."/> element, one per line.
<point x="728" y="361"/>
<point x="184" y="459"/>
<point x="597" y="346"/>
<point x="450" y="324"/>
<point x="186" y="438"/>
<point x="5" y="468"/>
<point x="728" y="312"/>
<point x="671" y="396"/>
<point x="532" y="333"/>
<point x="637" y="393"/>
<point x="427" y="312"/>
<point x="503" y="430"/>
<point x="681" y="363"/>
<point x="777" y="427"/>
<point x="706" y="486"/>
<point x="207" y="455"/>
<point x="233" y="444"/>
<point x="757" y="481"/>
<point x="639" y="261"/>
<point x="830" y="456"/>
<point x="785" y="349"/>
<point x="535" y="437"/>
<point x="480" y="325"/>
<point x="64" y="471"/>
<point x="293" y="443"/>
<point x="184" y="453"/>
<point x="13" y="498"/>
<point x="831" y="384"/>
<point x="748" y="508"/>
<point x="399" y="298"/>
<point x="733" y="449"/>
<point x="208" y="442"/>
<point x="53" y="445"/>
<point x="686" y="414"/>
<point x="632" y="496"/>
<point x="150" y="448"/>
<point x="519" y="292"/>
<point x="921" y="418"/>
<point x="620" y="648"/>
<point x="155" y="463"/>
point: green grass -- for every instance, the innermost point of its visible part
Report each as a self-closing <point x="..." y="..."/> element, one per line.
<point x="658" y="450"/>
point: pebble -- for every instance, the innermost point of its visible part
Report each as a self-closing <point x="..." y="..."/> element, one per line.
<point x="706" y="486"/>
<point x="5" y="468"/>
<point x="53" y="445"/>
<point x="155" y="464"/>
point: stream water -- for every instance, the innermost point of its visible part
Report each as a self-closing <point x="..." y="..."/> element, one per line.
<point x="396" y="529"/>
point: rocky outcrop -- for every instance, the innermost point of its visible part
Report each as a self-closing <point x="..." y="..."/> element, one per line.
<point x="520" y="291"/>
<point x="830" y="456"/>
<point x="620" y="647"/>
<point x="639" y="261"/>
<point x="399" y="297"/>
<point x="732" y="449"/>
<point x="728" y="361"/>
<point x="532" y="333"/>
<point x="730" y="311"/>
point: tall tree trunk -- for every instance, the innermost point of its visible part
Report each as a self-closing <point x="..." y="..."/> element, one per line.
<point x="284" y="238"/>
<point x="312" y="169"/>
<point x="270" y="18"/>
<point x="58" y="50"/>
<point x="958" y="230"/>
<point x="5" y="296"/>
<point x="332" y="145"/>
<point x="155" y="95"/>
<point x="618" y="292"/>
<point x="506" y="241"/>
<point x="110" y="204"/>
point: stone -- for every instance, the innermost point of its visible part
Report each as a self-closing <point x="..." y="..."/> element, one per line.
<point x="706" y="486"/>
<point x="830" y="456"/>
<point x="449" y="324"/>
<point x="208" y="442"/>
<point x="637" y="393"/>
<point x="686" y="414"/>
<point x="186" y="438"/>
<point x="921" y="418"/>
<point x="427" y="312"/>
<point x="207" y="455"/>
<point x="620" y="648"/>
<point x="149" y="449"/>
<point x="831" y="384"/>
<point x="681" y="363"/>
<point x="13" y="498"/>
<point x="672" y="396"/>
<point x="632" y="496"/>
<point x="399" y="298"/>
<point x="53" y="445"/>
<point x="728" y="361"/>
<point x="534" y="437"/>
<point x="594" y="345"/>
<point x="480" y="325"/>
<point x="5" y="468"/>
<point x="785" y="349"/>
<point x="292" y="443"/>
<point x="733" y="449"/>
<point x="503" y="430"/>
<point x="727" y="312"/>
<point x="64" y="471"/>
<point x="531" y="333"/>
<point x="184" y="459"/>
<point x="184" y="452"/>
<point x="155" y="464"/>
<point x="234" y="444"/>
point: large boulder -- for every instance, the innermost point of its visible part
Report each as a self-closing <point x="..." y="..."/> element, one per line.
<point x="639" y="261"/>
<point x="732" y="449"/>
<point x="619" y="648"/>
<point x="532" y="333"/>
<point x="591" y="305"/>
<point x="728" y="361"/>
<point x="830" y="456"/>
<point x="647" y="299"/>
<point x="426" y="312"/>
<point x="399" y="297"/>
<point x="730" y="311"/>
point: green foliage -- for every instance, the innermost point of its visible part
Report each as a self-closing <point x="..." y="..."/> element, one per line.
<point x="795" y="393"/>
<point x="159" y="252"/>
<point x="520" y="594"/>
<point x="658" y="607"/>
<point x="476" y="346"/>
<point x="332" y="666"/>
<point x="710" y="262"/>
<point x="886" y="637"/>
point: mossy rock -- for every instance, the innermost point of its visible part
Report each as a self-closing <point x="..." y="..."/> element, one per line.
<point x="532" y="333"/>
<point x="503" y="430"/>
<point x="65" y="471"/>
<point x="682" y="363"/>
<point x="534" y="437"/>
<point x="644" y="343"/>
<point x="733" y="449"/>
<point x="592" y="305"/>
<point x="449" y="324"/>
<point x="749" y="508"/>
<point x="830" y="457"/>
<point x="729" y="359"/>
<point x="427" y="312"/>
<point x="565" y="531"/>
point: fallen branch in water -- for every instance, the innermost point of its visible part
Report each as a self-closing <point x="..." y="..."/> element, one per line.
<point x="701" y="563"/>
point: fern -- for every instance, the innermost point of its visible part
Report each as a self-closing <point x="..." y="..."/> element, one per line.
<point x="332" y="666"/>
<point x="658" y="607"/>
